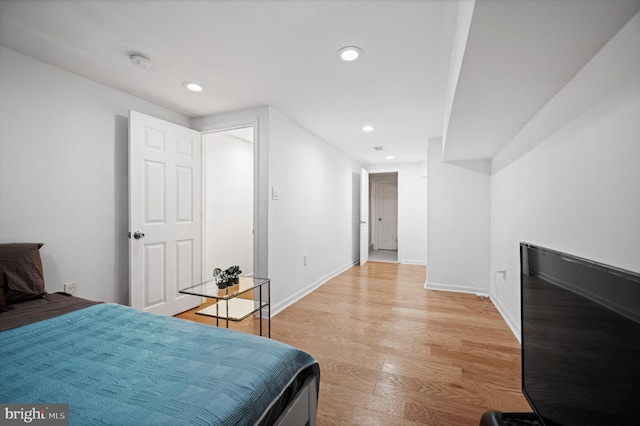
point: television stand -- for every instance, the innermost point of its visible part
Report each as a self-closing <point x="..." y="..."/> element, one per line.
<point x="497" y="418"/>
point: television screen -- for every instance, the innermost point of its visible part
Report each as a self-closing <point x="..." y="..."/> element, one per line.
<point x="580" y="339"/>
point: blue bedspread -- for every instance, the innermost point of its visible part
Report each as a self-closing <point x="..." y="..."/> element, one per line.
<point x="116" y="365"/>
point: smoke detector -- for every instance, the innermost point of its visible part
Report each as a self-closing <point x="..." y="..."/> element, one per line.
<point x="140" y="60"/>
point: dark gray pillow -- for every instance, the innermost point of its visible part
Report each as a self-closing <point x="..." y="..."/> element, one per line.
<point x="3" y="303"/>
<point x="23" y="276"/>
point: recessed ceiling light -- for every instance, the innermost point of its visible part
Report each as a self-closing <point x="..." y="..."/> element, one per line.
<point x="349" y="53"/>
<point x="389" y="157"/>
<point x="140" y="60"/>
<point x="368" y="128"/>
<point x="194" y="87"/>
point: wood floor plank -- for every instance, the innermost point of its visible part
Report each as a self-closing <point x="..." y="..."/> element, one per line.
<point x="393" y="353"/>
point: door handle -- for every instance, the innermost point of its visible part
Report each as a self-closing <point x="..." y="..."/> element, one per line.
<point x="363" y="221"/>
<point x="137" y="235"/>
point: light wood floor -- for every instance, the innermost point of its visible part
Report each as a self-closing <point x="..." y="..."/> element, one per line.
<point x="393" y="353"/>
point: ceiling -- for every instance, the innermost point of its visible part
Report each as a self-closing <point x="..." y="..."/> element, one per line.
<point x="283" y="53"/>
<point x="518" y="55"/>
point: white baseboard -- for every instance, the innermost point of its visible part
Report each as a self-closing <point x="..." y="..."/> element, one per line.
<point x="505" y="316"/>
<point x="455" y="288"/>
<point x="275" y="309"/>
<point x="412" y="262"/>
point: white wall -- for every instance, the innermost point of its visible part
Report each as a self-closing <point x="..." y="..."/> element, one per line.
<point x="63" y="173"/>
<point x="571" y="180"/>
<point x="458" y="220"/>
<point x="228" y="232"/>
<point x="313" y="215"/>
<point x="412" y="210"/>
<point x="63" y="182"/>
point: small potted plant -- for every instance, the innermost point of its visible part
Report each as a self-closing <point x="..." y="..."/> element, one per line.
<point x="228" y="277"/>
<point x="234" y="273"/>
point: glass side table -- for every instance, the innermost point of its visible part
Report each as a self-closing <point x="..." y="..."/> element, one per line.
<point x="233" y="303"/>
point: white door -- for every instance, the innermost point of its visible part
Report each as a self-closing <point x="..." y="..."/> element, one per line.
<point x="164" y="214"/>
<point x="387" y="215"/>
<point x="364" y="217"/>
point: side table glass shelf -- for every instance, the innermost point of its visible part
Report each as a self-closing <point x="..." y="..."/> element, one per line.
<point x="237" y="301"/>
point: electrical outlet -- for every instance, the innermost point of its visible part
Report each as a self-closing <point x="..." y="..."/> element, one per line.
<point x="71" y="288"/>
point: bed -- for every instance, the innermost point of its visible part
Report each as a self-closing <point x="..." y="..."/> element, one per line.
<point x="115" y="365"/>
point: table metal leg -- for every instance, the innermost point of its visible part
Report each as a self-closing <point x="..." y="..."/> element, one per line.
<point x="269" y="308"/>
<point x="260" y="301"/>
<point x="227" y="303"/>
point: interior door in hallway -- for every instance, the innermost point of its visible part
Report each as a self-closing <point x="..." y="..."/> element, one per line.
<point x="165" y="246"/>
<point x="364" y="217"/>
<point x="387" y="215"/>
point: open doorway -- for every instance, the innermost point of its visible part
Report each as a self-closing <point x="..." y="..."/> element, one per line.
<point x="383" y="214"/>
<point x="228" y="200"/>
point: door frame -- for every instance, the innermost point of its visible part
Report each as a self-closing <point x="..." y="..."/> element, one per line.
<point x="260" y="185"/>
<point x="398" y="172"/>
<point x="206" y="146"/>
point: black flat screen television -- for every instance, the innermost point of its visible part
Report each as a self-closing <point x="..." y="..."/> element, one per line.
<point x="580" y="339"/>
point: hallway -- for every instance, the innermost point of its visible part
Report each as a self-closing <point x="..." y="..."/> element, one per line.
<point x="390" y="256"/>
